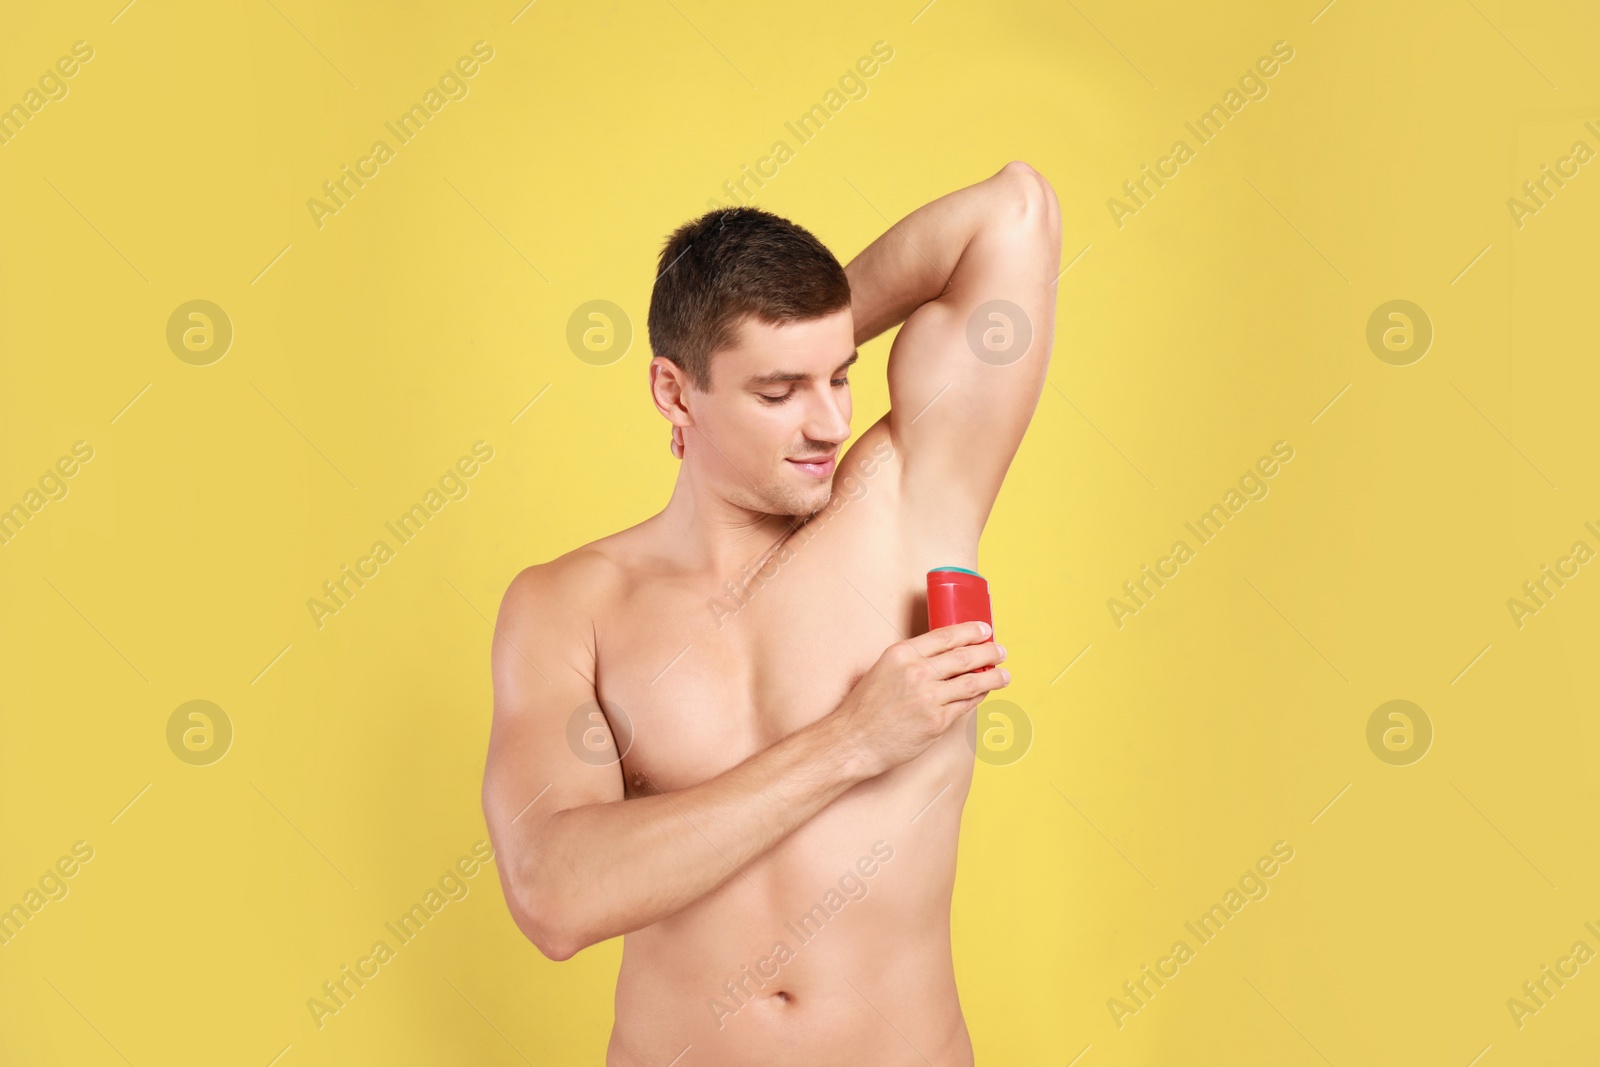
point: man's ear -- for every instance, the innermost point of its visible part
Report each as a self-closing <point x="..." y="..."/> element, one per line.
<point x="668" y="388"/>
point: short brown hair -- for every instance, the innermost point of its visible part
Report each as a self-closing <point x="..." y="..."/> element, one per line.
<point x="731" y="263"/>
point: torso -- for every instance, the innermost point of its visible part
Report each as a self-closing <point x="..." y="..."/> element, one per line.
<point x="707" y="683"/>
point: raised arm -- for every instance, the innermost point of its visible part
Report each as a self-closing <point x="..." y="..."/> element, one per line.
<point x="965" y="372"/>
<point x="580" y="864"/>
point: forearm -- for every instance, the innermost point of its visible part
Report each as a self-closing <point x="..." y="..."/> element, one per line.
<point x="600" y="870"/>
<point x="912" y="262"/>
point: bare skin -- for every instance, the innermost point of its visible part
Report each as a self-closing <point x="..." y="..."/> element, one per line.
<point x="777" y="843"/>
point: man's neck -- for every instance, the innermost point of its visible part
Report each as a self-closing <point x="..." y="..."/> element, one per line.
<point x="708" y="533"/>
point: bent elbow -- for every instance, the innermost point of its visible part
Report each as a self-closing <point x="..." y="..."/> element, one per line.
<point x="543" y="922"/>
<point x="548" y="935"/>
<point x="554" y="949"/>
<point x="1031" y="199"/>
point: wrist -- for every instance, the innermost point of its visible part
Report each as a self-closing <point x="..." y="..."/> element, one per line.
<point x="855" y="760"/>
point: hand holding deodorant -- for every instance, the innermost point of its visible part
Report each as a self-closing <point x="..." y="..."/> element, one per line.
<point x="956" y="594"/>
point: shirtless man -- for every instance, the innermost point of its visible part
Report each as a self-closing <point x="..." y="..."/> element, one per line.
<point x="777" y="841"/>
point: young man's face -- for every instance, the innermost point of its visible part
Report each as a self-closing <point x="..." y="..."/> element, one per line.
<point x="778" y="396"/>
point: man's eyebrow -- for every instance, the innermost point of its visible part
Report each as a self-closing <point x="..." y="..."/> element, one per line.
<point x="782" y="376"/>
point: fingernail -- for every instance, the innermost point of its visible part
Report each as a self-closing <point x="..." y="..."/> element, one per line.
<point x="1002" y="649"/>
<point x="1005" y="676"/>
<point x="988" y="630"/>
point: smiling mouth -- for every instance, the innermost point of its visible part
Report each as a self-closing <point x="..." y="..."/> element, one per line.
<point x="817" y="467"/>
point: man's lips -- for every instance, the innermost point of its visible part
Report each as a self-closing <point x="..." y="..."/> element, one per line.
<point x="816" y="466"/>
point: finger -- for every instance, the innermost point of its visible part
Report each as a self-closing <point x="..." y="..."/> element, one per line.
<point x="966" y="658"/>
<point x="976" y="684"/>
<point x="942" y="640"/>
<point x="960" y="709"/>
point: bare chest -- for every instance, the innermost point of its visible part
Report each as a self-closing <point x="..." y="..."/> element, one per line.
<point x="711" y="674"/>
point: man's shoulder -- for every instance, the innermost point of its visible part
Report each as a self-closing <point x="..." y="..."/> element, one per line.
<point x="567" y="594"/>
<point x="578" y="580"/>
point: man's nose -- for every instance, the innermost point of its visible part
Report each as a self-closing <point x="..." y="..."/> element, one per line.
<point x="826" y="419"/>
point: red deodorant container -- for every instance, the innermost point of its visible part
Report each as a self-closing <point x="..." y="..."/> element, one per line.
<point x="956" y="594"/>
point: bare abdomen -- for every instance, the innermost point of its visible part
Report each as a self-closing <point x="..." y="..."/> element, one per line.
<point x="832" y="947"/>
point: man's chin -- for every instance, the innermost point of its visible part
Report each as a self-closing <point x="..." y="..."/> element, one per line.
<point x="798" y="501"/>
<point x="815" y="497"/>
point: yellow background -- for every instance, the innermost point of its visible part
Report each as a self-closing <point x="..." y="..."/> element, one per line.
<point x="430" y="311"/>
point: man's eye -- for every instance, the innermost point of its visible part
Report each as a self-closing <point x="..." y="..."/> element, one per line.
<point x="841" y="381"/>
<point x="773" y="399"/>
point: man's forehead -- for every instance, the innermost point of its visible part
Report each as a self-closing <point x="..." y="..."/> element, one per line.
<point x="791" y="351"/>
<point x="752" y="330"/>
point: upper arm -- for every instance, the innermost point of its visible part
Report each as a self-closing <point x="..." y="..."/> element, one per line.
<point x="544" y="705"/>
<point x="966" y="370"/>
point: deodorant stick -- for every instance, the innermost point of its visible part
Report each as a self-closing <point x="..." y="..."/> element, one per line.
<point x="956" y="594"/>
